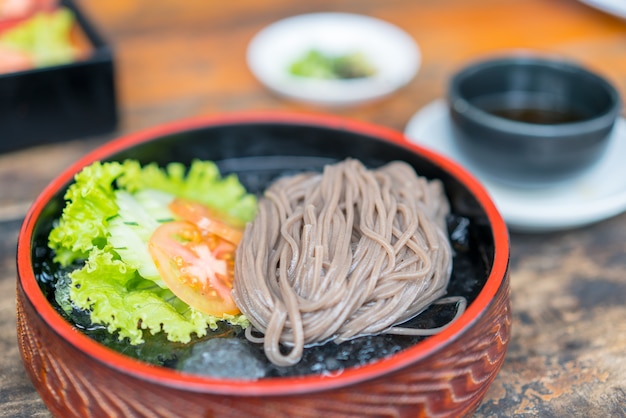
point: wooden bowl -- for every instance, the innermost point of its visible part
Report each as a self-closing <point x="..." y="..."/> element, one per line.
<point x="443" y="375"/>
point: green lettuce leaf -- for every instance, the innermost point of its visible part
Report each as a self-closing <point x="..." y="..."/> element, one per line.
<point x="46" y="36"/>
<point x="84" y="223"/>
<point x="112" y="209"/>
<point x="202" y="183"/>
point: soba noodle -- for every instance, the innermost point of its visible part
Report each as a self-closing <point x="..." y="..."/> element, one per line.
<point x="341" y="254"/>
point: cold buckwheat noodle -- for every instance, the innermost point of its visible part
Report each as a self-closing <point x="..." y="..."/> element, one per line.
<point x="341" y="254"/>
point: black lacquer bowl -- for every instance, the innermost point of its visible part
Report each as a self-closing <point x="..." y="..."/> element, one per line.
<point x="444" y="375"/>
<point x="531" y="120"/>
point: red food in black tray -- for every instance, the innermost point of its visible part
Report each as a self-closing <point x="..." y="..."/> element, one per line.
<point x="63" y="100"/>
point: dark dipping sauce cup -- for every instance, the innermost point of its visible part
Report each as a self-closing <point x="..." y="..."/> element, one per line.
<point x="530" y="121"/>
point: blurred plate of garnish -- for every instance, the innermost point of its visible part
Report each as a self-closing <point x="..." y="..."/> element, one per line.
<point x="335" y="59"/>
<point x="317" y="64"/>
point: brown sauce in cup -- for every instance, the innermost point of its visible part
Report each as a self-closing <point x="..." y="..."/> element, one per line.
<point x="540" y="116"/>
<point x="530" y="108"/>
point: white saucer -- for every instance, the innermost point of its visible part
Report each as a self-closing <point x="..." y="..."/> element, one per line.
<point x="598" y="194"/>
<point x="393" y="53"/>
<point x="614" y="7"/>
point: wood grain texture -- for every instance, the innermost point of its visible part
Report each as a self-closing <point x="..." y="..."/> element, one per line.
<point x="186" y="58"/>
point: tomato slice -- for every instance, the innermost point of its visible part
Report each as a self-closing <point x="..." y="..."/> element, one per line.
<point x="197" y="267"/>
<point x="208" y="220"/>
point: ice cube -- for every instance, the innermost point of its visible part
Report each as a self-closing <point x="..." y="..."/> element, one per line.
<point x="224" y="357"/>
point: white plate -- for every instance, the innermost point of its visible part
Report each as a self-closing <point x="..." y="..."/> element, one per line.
<point x="597" y="194"/>
<point x="392" y="51"/>
<point x="614" y="7"/>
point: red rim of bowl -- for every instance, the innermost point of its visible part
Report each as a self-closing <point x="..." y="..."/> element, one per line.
<point x="276" y="385"/>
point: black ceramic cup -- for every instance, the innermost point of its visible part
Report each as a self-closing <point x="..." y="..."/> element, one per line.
<point x="531" y="121"/>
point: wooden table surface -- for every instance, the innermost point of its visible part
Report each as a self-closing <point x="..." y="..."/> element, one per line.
<point x="175" y="59"/>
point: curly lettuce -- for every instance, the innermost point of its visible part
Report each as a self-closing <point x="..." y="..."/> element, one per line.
<point x="112" y="209"/>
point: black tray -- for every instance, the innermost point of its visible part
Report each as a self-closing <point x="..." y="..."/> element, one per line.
<point x="62" y="102"/>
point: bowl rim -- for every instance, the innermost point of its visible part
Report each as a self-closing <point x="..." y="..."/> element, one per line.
<point x="275" y="386"/>
<point x="462" y="106"/>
